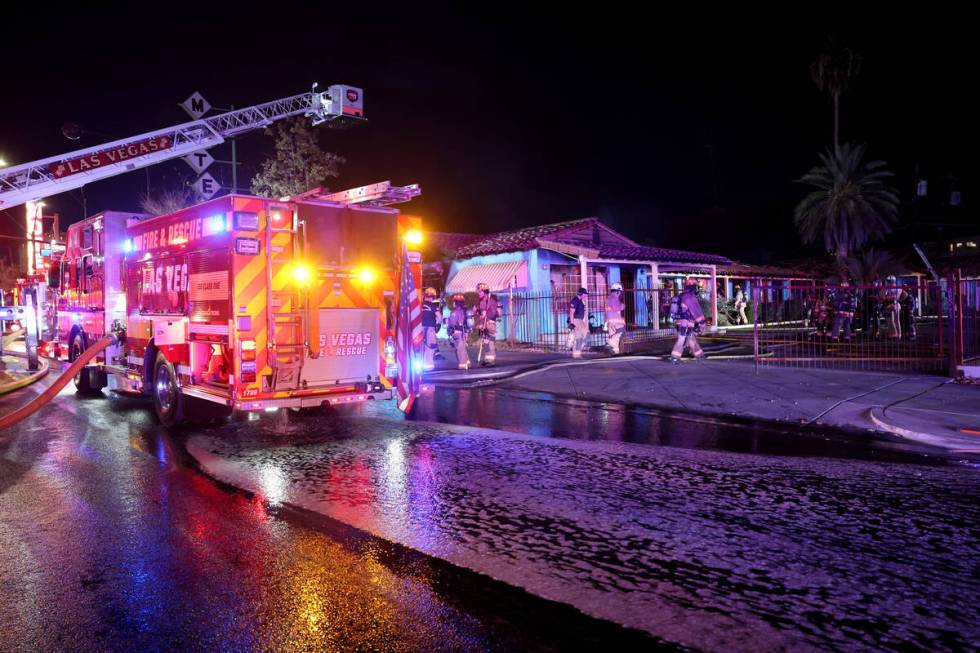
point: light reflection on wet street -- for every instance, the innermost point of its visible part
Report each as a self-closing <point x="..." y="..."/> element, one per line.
<point x="110" y="539"/>
<point x="697" y="545"/>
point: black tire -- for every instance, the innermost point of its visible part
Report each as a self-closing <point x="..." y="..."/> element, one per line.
<point x="76" y="347"/>
<point x="167" y="400"/>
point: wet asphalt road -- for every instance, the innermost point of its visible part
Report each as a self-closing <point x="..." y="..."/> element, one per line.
<point x="111" y="540"/>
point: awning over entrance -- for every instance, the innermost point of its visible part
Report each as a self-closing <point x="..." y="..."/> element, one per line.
<point x="497" y="275"/>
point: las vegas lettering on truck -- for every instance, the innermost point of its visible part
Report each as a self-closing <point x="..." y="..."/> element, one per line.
<point x="245" y="303"/>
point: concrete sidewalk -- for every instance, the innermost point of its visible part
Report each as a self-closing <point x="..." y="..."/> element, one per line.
<point x="927" y="409"/>
<point x="514" y="361"/>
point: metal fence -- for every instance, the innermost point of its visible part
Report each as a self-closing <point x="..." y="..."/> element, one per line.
<point x="922" y="327"/>
<point x="966" y="298"/>
<point x="888" y="328"/>
<point x="540" y="319"/>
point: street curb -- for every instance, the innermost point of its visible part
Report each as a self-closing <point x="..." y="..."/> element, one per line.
<point x="877" y="416"/>
<point x="23" y="383"/>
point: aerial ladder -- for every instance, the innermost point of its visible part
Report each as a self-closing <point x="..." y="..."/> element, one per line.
<point x="39" y="179"/>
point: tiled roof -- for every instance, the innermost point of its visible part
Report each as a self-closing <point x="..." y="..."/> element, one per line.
<point x="646" y="253"/>
<point x="748" y="270"/>
<point x="449" y="242"/>
<point x="518" y="240"/>
<point x="550" y="234"/>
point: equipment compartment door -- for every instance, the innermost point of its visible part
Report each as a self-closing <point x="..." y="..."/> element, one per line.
<point x="348" y="347"/>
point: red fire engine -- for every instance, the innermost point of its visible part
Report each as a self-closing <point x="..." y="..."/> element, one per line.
<point x="240" y="303"/>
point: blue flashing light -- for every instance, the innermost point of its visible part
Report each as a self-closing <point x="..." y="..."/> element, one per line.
<point x="216" y="224"/>
<point x="417" y="365"/>
<point x="128" y="246"/>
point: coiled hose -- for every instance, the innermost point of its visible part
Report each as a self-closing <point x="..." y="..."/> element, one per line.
<point x="49" y="393"/>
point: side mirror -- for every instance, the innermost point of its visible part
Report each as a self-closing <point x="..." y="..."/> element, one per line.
<point x="54" y="277"/>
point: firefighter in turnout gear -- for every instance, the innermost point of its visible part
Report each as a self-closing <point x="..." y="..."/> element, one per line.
<point x="487" y="312"/>
<point x="458" y="328"/>
<point x="431" y="322"/>
<point x="578" y="327"/>
<point x="893" y="306"/>
<point x="689" y="321"/>
<point x="845" y="305"/>
<point x="615" y="324"/>
<point x="740" y="305"/>
<point x="909" y="306"/>
<point x="823" y="313"/>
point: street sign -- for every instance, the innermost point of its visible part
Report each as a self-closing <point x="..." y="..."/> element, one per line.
<point x="199" y="161"/>
<point x="196" y="106"/>
<point x="206" y="186"/>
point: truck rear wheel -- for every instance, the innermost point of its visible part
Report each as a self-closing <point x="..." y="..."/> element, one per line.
<point x="167" y="400"/>
<point x="87" y="381"/>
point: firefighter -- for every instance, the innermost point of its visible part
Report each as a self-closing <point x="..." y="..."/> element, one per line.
<point x="909" y="303"/>
<point x="823" y="312"/>
<point x="874" y="306"/>
<point x="689" y="321"/>
<point x="458" y="328"/>
<point x="578" y="327"/>
<point x="615" y="324"/>
<point x="845" y="304"/>
<point x="487" y="312"/>
<point x="431" y="322"/>
<point x="740" y="305"/>
<point x="893" y="306"/>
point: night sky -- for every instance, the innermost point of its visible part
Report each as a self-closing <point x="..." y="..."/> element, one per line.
<point x="680" y="130"/>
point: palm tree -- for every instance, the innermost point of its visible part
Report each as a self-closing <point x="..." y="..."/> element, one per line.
<point x="852" y="203"/>
<point x="832" y="72"/>
<point x="871" y="264"/>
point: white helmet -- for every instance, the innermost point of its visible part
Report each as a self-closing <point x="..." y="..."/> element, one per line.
<point x="616" y="286"/>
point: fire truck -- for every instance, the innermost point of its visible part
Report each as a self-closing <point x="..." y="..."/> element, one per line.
<point x="240" y="303"/>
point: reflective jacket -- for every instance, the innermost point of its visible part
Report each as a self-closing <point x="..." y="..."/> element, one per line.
<point x="431" y="313"/>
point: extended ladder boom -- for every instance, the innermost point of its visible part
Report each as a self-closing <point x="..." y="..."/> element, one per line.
<point x="57" y="174"/>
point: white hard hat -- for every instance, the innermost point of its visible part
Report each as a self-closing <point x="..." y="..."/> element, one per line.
<point x="616" y="286"/>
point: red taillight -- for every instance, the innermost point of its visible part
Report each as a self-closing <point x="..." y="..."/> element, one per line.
<point x="248" y="350"/>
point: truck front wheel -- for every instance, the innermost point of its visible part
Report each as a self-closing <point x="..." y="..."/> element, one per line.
<point x="167" y="400"/>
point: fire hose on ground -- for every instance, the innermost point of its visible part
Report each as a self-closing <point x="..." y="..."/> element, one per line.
<point x="51" y="391"/>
